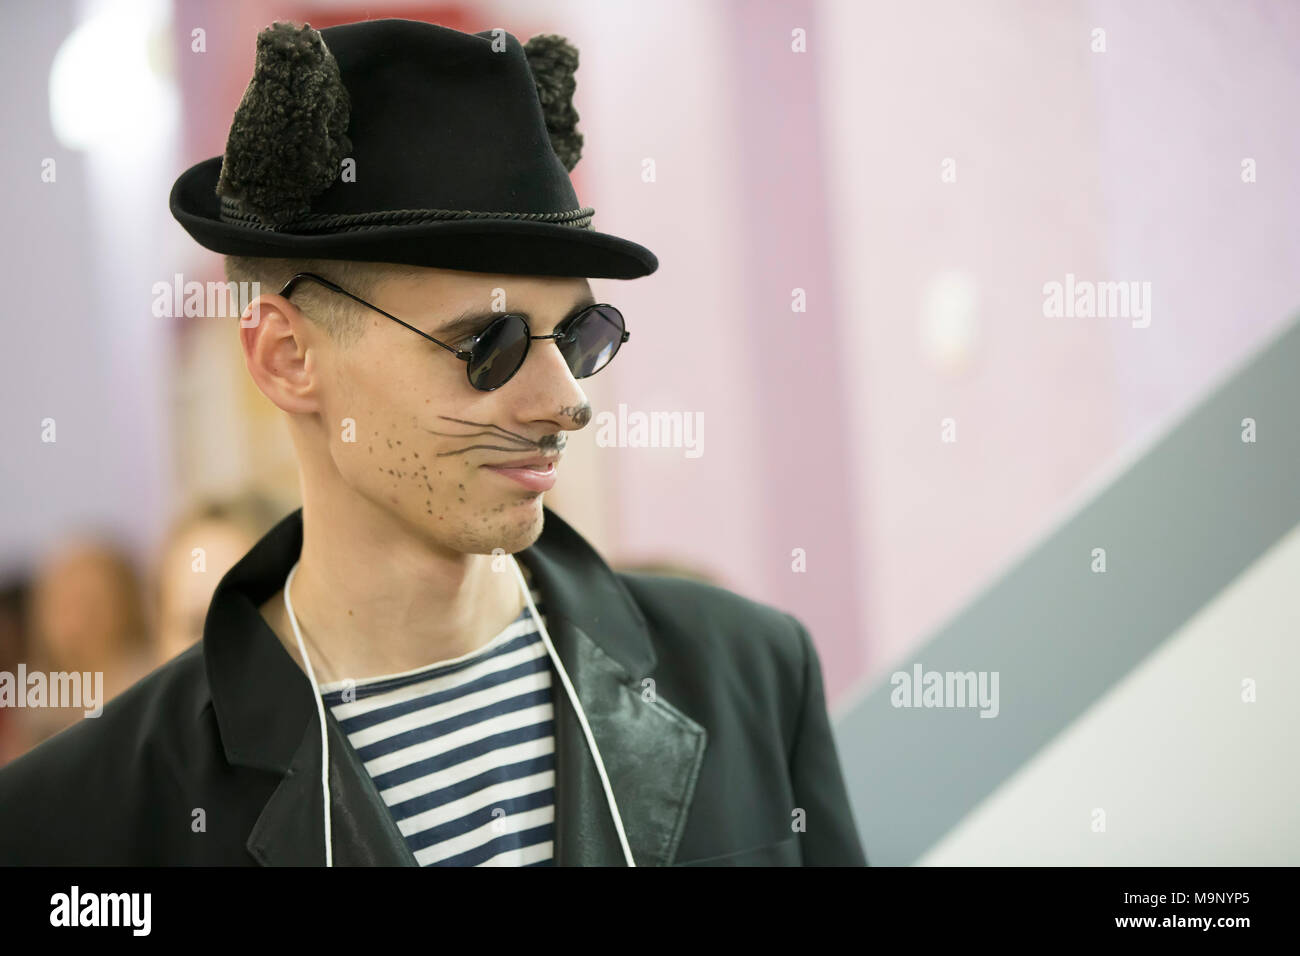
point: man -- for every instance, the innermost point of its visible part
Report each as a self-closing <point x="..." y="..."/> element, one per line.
<point x="424" y="665"/>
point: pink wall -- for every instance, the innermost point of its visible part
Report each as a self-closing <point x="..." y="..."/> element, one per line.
<point x="1121" y="165"/>
<point x="821" y="171"/>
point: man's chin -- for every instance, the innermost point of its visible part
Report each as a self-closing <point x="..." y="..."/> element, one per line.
<point x="529" y="528"/>
<point x="515" y="527"/>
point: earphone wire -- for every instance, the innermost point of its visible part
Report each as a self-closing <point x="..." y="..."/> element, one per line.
<point x="320" y="710"/>
<point x="577" y="709"/>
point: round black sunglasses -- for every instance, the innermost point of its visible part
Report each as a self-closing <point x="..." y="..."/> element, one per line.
<point x="588" y="339"/>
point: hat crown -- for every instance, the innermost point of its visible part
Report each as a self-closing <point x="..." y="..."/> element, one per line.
<point x="435" y="119"/>
<point x="405" y="142"/>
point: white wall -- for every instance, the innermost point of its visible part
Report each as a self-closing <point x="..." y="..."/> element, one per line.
<point x="1187" y="773"/>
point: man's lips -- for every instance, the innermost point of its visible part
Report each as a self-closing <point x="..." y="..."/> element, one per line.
<point x="535" y="474"/>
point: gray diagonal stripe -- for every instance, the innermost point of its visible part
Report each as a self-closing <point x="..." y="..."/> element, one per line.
<point x="1177" y="527"/>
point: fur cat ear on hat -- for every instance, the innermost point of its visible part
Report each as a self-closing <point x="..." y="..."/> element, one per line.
<point x="554" y="60"/>
<point x="289" y="133"/>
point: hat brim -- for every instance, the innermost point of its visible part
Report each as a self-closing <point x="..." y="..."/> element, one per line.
<point x="503" y="246"/>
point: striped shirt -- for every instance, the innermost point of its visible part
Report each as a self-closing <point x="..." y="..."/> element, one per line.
<point x="463" y="751"/>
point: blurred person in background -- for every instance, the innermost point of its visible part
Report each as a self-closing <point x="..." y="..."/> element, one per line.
<point x="13" y="648"/>
<point x="86" y="614"/>
<point x="196" y="553"/>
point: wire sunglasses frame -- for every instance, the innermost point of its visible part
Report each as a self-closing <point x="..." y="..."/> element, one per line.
<point x="560" y="334"/>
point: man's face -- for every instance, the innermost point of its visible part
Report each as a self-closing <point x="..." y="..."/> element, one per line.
<point x="425" y="440"/>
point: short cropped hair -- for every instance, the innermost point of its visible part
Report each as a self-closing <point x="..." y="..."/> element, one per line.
<point x="338" y="316"/>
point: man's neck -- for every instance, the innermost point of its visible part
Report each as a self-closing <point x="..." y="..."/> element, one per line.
<point x="374" y="600"/>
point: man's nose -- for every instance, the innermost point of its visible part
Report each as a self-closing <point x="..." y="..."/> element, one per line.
<point x="548" y="389"/>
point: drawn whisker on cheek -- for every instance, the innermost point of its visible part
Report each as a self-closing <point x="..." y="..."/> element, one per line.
<point x="443" y="454"/>
<point x="503" y="431"/>
<point x="527" y="444"/>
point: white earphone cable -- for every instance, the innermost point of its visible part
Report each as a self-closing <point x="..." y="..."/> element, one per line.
<point x="320" y="710"/>
<point x="577" y="709"/>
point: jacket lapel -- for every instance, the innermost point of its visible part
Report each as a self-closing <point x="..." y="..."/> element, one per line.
<point x="651" y="751"/>
<point x="268" y="720"/>
<point x="290" y="832"/>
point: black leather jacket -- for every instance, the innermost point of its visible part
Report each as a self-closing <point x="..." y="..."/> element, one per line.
<point x="215" y="758"/>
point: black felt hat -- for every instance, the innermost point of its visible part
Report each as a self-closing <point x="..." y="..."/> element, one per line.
<point x="407" y="142"/>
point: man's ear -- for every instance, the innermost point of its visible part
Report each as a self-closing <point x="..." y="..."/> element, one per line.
<point x="282" y="353"/>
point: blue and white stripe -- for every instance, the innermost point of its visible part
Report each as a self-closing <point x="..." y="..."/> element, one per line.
<point x="463" y="752"/>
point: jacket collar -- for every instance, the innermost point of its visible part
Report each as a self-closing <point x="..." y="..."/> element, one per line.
<point x="267" y="718"/>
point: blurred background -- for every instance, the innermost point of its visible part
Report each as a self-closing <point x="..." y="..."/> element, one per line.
<point x="858" y="209"/>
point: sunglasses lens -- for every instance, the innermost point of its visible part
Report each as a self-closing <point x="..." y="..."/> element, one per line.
<point x="499" y="352"/>
<point x="591" y="341"/>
